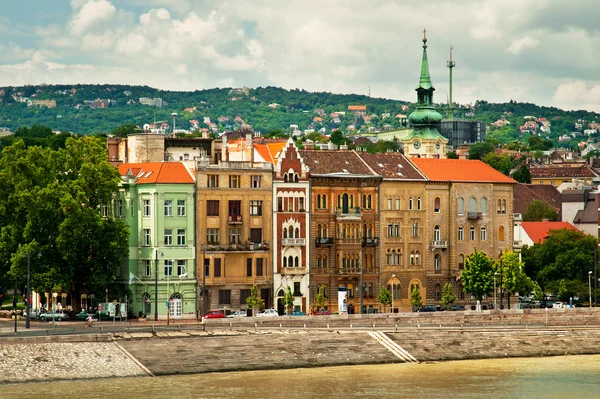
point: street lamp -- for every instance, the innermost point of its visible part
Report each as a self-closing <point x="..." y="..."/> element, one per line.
<point x="28" y="301"/>
<point x="590" y="286"/>
<point x="495" y="274"/>
<point x="393" y="277"/>
<point x="501" y="273"/>
<point x="156" y="285"/>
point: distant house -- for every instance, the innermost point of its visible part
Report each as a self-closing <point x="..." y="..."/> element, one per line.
<point x="273" y="105"/>
<point x="357" y="108"/>
<point x="223" y="119"/>
<point x="537" y="232"/>
<point x="43" y="103"/>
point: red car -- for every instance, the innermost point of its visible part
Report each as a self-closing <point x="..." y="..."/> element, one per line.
<point x="322" y="312"/>
<point x="215" y="314"/>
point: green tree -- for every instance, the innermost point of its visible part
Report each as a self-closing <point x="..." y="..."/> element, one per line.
<point x="385" y="297"/>
<point x="514" y="279"/>
<point x="448" y="297"/>
<point x="501" y="162"/>
<point x="478" y="275"/>
<point x="320" y="298"/>
<point x="538" y="210"/>
<point x="565" y="289"/>
<point x="480" y="150"/>
<point x="451" y="155"/>
<point x="415" y="298"/>
<point x="337" y="137"/>
<point x="254" y="301"/>
<point x="126" y="130"/>
<point x="288" y="301"/>
<point x="537" y="143"/>
<point x="522" y="175"/>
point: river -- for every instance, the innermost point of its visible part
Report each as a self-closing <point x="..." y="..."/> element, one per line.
<point x="549" y="377"/>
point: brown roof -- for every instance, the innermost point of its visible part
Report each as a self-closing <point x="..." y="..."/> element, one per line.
<point x="524" y="194"/>
<point x="590" y="213"/>
<point x="553" y="171"/>
<point x="392" y="165"/>
<point x="323" y="162"/>
<point x="548" y="193"/>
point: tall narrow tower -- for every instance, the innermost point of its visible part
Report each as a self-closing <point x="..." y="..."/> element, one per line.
<point x="451" y="65"/>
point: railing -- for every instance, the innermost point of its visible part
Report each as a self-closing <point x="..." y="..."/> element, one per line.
<point x="293" y="241"/>
<point x="370" y="241"/>
<point x="348" y="240"/>
<point x="235" y="219"/>
<point x="324" y="241"/>
<point x="474" y="215"/>
<point x="348" y="213"/>
<point x="292" y="271"/>
<point x="356" y="270"/>
<point x="439" y="244"/>
<point x="242" y="247"/>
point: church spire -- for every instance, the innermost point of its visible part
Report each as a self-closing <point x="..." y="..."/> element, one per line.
<point x="424" y="79"/>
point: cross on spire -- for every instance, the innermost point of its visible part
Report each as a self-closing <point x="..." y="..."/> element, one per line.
<point x="424" y="35"/>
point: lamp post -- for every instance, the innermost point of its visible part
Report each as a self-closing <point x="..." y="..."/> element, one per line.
<point x="501" y="273"/>
<point x="28" y="300"/>
<point x="596" y="276"/>
<point x="203" y="282"/>
<point x="156" y="285"/>
<point x="393" y="277"/>
<point x="590" y="286"/>
<point x="495" y="274"/>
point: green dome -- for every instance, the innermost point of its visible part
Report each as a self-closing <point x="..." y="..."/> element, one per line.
<point x="425" y="116"/>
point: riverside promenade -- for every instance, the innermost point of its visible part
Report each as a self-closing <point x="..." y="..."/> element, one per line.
<point x="255" y="344"/>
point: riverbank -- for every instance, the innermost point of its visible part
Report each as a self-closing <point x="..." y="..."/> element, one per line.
<point x="196" y="351"/>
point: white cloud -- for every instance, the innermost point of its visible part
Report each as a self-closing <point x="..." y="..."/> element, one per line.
<point x="577" y="95"/>
<point x="90" y="14"/>
<point x="523" y="43"/>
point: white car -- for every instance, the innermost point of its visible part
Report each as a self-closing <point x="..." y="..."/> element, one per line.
<point x="559" y="305"/>
<point x="268" y="313"/>
<point x="238" y="313"/>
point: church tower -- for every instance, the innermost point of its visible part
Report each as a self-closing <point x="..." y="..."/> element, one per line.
<point x="425" y="141"/>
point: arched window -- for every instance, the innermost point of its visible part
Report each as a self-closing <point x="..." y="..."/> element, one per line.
<point x="418" y="202"/>
<point x="461" y="233"/>
<point x="410" y="203"/>
<point x="364" y="201"/>
<point x="461" y="206"/>
<point x="437" y="262"/>
<point x="484" y="206"/>
<point x="483" y="233"/>
<point x="290" y="261"/>
<point x="285" y="233"/>
<point x="296" y="261"/>
<point x="461" y="262"/>
<point x="324" y="199"/>
<point x="369" y="202"/>
<point x="291" y="232"/>
<point x="295" y="177"/>
<point x="417" y="260"/>
<point x="437" y="292"/>
<point x="503" y="206"/>
<point x="284" y="261"/>
<point x="297" y="233"/>
<point x="285" y="177"/>
<point x="412" y="257"/>
<point x="437" y="205"/>
<point x="499" y="206"/>
<point x="472" y="233"/>
<point x="319" y="201"/>
<point x="436" y="233"/>
<point x="501" y="233"/>
<point x="472" y="205"/>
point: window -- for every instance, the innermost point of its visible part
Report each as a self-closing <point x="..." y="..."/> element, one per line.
<point x="104" y="211"/>
<point x="212" y="181"/>
<point x="417" y="258"/>
<point x="248" y="267"/>
<point x="297" y="288"/>
<point x="412" y="257"/>
<point x="484" y="206"/>
<point x="234" y="181"/>
<point x="235" y="236"/>
<point x="147" y="208"/>
<point x="397" y="203"/>
<point x="120" y="208"/>
<point x="147" y="237"/>
<point x="224" y="297"/>
<point x="212" y="236"/>
<point x="168" y="237"/>
<point x="244" y="294"/>
<point x="483" y="233"/>
<point x="181" y="269"/>
<point x="256" y="235"/>
<point x="503" y="206"/>
<point x="389" y="203"/>
<point x="180" y="207"/>
<point x="415" y="229"/>
<point x="217" y="267"/>
<point x="255" y="181"/>
<point x="461" y="233"/>
<point x="132" y="208"/>
<point x="501" y="233"/>
<point x="147" y="268"/>
<point x="181" y="237"/>
<point x="436" y="233"/>
<point x="235" y="208"/>
<point x="255" y="208"/>
<point x="461" y="262"/>
<point x="206" y="267"/>
<point x="472" y="233"/>
<point x="472" y="205"/>
<point x="418" y="202"/>
<point x="212" y="208"/>
<point x="499" y="206"/>
<point x="461" y="206"/>
<point x="410" y="203"/>
<point x="437" y="262"/>
<point x="438" y="292"/>
<point x="168" y="207"/>
<point x="390" y="230"/>
<point x="259" y="266"/>
<point x="437" y="205"/>
<point x="168" y="267"/>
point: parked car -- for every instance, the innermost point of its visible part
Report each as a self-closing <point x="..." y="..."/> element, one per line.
<point x="457" y="307"/>
<point x="215" y="314"/>
<point x="427" y="308"/>
<point x="238" y="313"/>
<point x="559" y="305"/>
<point x="58" y="315"/>
<point x="268" y="313"/>
<point x="83" y="315"/>
<point x="297" y="313"/>
<point x="322" y="312"/>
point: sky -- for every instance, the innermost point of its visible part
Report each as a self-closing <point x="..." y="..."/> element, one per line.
<point x="542" y="51"/>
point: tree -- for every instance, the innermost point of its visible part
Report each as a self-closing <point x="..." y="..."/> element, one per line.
<point x="480" y="150"/>
<point x="337" y="137"/>
<point x="385" y="297"/>
<point x="254" y="301"/>
<point x="537" y="143"/>
<point x="415" y="298"/>
<point x="448" y="297"/>
<point x="126" y="130"/>
<point x="288" y="301"/>
<point x="514" y="279"/>
<point x="500" y="162"/>
<point x="478" y="275"/>
<point x="538" y="210"/>
<point x="451" y="155"/>
<point x="320" y="298"/>
<point x="522" y="175"/>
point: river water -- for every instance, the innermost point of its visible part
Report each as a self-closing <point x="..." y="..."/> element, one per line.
<point x="549" y="377"/>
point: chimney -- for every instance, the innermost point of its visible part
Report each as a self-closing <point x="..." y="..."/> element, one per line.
<point x="224" y="152"/>
<point x="249" y="146"/>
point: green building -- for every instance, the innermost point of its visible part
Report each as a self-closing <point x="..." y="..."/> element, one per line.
<point x="158" y="202"/>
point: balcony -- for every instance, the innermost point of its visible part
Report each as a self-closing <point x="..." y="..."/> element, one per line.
<point x="439" y="244"/>
<point x="370" y="242"/>
<point x="474" y="215"/>
<point x="345" y="213"/>
<point x="244" y="247"/>
<point x="355" y="271"/>
<point x="517" y="244"/>
<point x="324" y="241"/>
<point x="293" y="271"/>
<point x="235" y="219"/>
<point x="290" y="242"/>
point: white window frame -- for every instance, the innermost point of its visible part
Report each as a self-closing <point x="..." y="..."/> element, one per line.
<point x="180" y="207"/>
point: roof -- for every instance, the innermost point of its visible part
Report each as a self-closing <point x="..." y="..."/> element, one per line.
<point x="324" y="162"/>
<point x="392" y="165"/>
<point x="269" y="151"/>
<point x="459" y="170"/>
<point x="357" y="108"/>
<point x="562" y="171"/>
<point x="158" y="172"/>
<point x="524" y="194"/>
<point x="539" y="231"/>
<point x="590" y="212"/>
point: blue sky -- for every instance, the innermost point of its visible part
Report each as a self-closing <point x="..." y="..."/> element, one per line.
<point x="543" y="51"/>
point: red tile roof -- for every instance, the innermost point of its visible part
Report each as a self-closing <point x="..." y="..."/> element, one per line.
<point x="561" y="172"/>
<point x="539" y="231"/>
<point x="270" y="150"/>
<point x="158" y="172"/>
<point x="463" y="170"/>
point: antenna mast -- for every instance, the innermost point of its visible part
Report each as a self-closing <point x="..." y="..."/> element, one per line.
<point x="451" y="64"/>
